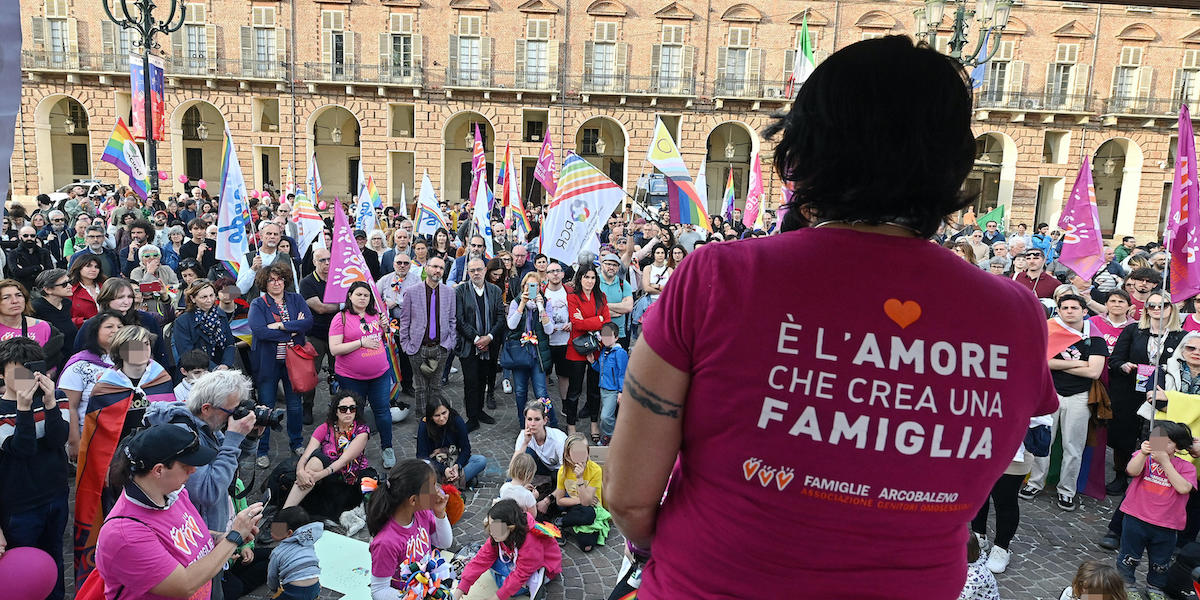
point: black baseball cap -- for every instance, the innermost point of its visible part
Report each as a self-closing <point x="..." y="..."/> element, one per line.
<point x="358" y="233"/>
<point x="164" y="443"/>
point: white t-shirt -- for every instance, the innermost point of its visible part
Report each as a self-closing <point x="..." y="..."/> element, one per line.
<point x="183" y="390"/>
<point x="82" y="377"/>
<point x="557" y="304"/>
<point x="550" y="451"/>
<point x="523" y="497"/>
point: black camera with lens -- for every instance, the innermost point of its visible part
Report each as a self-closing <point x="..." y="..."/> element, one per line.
<point x="263" y="416"/>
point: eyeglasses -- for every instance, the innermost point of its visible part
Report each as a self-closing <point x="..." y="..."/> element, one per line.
<point x="346" y="408"/>
<point x="1033" y="255"/>
<point x="62" y="284"/>
<point x="1191" y="349"/>
<point x="1154" y="306"/>
<point x="322" y="260"/>
<point x="29" y="236"/>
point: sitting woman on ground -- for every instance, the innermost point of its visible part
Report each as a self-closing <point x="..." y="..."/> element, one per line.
<point x="330" y="470"/>
<point x="580" y="494"/>
<point x="443" y="440"/>
<point x="544" y="444"/>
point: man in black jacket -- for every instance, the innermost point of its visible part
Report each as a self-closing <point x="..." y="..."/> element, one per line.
<point x="28" y="259"/>
<point x="480" y="325"/>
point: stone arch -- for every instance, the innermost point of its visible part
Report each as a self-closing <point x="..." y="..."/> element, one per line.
<point x="1138" y="32"/>
<point x="1117" y="175"/>
<point x="876" y="19"/>
<point x="56" y="133"/>
<point x="336" y="160"/>
<point x="607" y="8"/>
<point x="994" y="175"/>
<point x="196" y="146"/>
<point x="456" y="152"/>
<point x="613" y="157"/>
<point x="743" y="13"/>
<point x="742" y="139"/>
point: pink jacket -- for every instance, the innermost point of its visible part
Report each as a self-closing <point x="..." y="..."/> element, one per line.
<point x="538" y="551"/>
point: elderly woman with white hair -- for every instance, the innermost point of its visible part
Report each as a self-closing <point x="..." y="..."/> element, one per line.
<point x="158" y="283"/>
<point x="174" y="246"/>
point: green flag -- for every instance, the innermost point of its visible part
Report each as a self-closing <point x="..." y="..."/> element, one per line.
<point x="996" y="214"/>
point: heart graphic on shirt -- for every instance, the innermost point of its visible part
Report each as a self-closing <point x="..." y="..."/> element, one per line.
<point x="766" y="475"/>
<point x="750" y="467"/>
<point x="784" y="477"/>
<point x="902" y="313"/>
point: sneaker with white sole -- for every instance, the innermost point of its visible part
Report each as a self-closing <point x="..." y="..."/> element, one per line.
<point x="997" y="560"/>
<point x="507" y="385"/>
<point x="453" y="369"/>
<point x="262" y="462"/>
<point x="983" y="542"/>
<point x="1029" y="492"/>
<point x="389" y="458"/>
<point x="1067" y="503"/>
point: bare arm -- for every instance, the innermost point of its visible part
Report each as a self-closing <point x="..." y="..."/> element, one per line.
<point x="1181" y="485"/>
<point x="641" y="459"/>
<point x="317" y="306"/>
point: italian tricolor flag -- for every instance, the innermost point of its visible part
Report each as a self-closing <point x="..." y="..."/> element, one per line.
<point x="805" y="61"/>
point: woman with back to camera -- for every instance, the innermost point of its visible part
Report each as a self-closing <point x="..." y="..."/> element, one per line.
<point x="709" y="400"/>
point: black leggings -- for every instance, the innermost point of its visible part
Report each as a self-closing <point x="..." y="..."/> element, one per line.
<point x="1008" y="511"/>
<point x="581" y="371"/>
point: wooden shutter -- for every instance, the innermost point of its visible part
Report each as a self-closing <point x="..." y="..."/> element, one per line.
<point x="789" y="63"/>
<point x="247" y="50"/>
<point x="73" y="42"/>
<point x="655" y="65"/>
<point x="1015" y="83"/>
<point x="327" y="52"/>
<point x="723" y="84"/>
<point x="1145" y="86"/>
<point x="348" y="44"/>
<point x="485" y="59"/>
<point x="689" y="60"/>
<point x="622" y="62"/>
<point x="177" y="51"/>
<point x="108" y="38"/>
<point x="520" y="47"/>
<point x="385" y="56"/>
<point x="552" y="49"/>
<point x="210" y="47"/>
<point x="452" y="69"/>
<point x="589" y="56"/>
<point x="1049" y="91"/>
<point x="1079" y="86"/>
<point x="281" y="51"/>
<point x="754" y="68"/>
<point x="416" y="58"/>
<point x="37" y="31"/>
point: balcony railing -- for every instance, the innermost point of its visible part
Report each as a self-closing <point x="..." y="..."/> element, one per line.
<point x="596" y="83"/>
<point x="1124" y="105"/>
<point x="758" y="89"/>
<point x="525" y="81"/>
<point x="358" y="73"/>
<point x="1036" y="102"/>
<point x="48" y="60"/>
<point x="194" y="66"/>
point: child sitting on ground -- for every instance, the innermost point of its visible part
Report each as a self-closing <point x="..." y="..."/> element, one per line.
<point x="1095" y="581"/>
<point x="519" y="488"/>
<point x="192" y="364"/>
<point x="521" y="554"/>
<point x="579" y="495"/>
<point x="981" y="583"/>
<point x="294" y="570"/>
<point x="611" y="363"/>
<point x="1155" y="504"/>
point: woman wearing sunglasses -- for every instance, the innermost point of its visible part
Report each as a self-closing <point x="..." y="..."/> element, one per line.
<point x="356" y="339"/>
<point x="52" y="302"/>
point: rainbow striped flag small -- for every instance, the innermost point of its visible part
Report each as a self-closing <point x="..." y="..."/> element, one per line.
<point x="682" y="196"/>
<point x="125" y="154"/>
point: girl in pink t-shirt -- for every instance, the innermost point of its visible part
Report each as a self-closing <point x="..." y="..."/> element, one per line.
<point x="356" y="339"/>
<point x="522" y="555"/>
<point x="1155" y="504"/>
<point x="406" y="517"/>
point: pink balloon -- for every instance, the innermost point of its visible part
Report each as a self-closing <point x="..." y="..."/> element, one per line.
<point x="321" y="205"/>
<point x="253" y="194"/>
<point x="28" y="573"/>
<point x="163" y="175"/>
<point x="183" y="179"/>
<point x="202" y="184"/>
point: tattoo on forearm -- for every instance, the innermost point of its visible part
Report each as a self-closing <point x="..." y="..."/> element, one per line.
<point x="655" y="403"/>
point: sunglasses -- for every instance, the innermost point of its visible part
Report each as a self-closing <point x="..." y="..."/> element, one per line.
<point x="1033" y="255"/>
<point x="346" y="408"/>
<point x="62" y="284"/>
<point x="1154" y="306"/>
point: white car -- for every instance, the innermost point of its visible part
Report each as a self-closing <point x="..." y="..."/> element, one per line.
<point x="89" y="186"/>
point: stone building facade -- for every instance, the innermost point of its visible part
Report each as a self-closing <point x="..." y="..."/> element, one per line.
<point x="399" y="84"/>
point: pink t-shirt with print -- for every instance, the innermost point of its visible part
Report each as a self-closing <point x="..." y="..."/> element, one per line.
<point x="138" y="556"/>
<point x="1153" y="499"/>
<point x="396" y="543"/>
<point x="37" y="331"/>
<point x="846" y="416"/>
<point x="362" y="363"/>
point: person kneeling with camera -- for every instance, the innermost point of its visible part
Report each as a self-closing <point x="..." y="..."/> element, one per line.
<point x="220" y="412"/>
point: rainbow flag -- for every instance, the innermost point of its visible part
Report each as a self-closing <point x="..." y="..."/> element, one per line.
<point x="682" y="197"/>
<point x="727" y="200"/>
<point x="125" y="154"/>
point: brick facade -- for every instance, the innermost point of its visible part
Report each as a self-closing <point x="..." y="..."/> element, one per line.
<point x="300" y="79"/>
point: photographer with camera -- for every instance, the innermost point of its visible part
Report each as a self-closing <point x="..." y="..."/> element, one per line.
<point x="219" y="410"/>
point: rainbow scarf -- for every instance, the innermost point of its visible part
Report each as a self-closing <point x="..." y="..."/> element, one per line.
<point x="125" y="154"/>
<point x="111" y="399"/>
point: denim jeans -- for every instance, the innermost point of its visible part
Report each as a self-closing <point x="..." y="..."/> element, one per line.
<point x="268" y="392"/>
<point x="295" y="592"/>
<point x="475" y="465"/>
<point x="377" y="393"/>
<point x="1158" y="542"/>
<point x="521" y="379"/>
<point x="608" y="411"/>
<point x="41" y="527"/>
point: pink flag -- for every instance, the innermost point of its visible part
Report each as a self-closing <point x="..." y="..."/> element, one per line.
<point x="346" y="260"/>
<point x="754" y="194"/>
<point x="1183" y="228"/>
<point x="1083" y="246"/>
<point x="478" y="165"/>
<point x="783" y="208"/>
<point x="544" y="171"/>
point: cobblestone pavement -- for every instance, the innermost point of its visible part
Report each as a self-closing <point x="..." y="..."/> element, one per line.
<point x="1048" y="547"/>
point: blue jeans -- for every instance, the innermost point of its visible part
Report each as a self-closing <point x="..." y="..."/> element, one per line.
<point x="521" y="379"/>
<point x="268" y="392"/>
<point x="1158" y="542"/>
<point x="295" y="592"/>
<point x="377" y="393"/>
<point x="608" y="411"/>
<point x="475" y="465"/>
<point x="41" y="527"/>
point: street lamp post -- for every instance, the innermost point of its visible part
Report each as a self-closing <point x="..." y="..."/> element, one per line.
<point x="141" y="20"/>
<point x="992" y="18"/>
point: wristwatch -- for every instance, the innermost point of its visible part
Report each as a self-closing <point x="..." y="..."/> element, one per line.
<point x="235" y="537"/>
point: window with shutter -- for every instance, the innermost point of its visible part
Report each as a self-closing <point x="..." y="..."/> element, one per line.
<point x="401" y="23"/>
<point x="264" y="16"/>
<point x="739" y="37"/>
<point x="606" y="32"/>
<point x="1067" y="54"/>
<point x="470" y="25"/>
<point x="56" y="9"/>
<point x="1006" y="51"/>
<point x="1191" y="59"/>
<point x="1131" y="57"/>
<point x="673" y="35"/>
<point x="195" y="13"/>
<point x="537" y="29"/>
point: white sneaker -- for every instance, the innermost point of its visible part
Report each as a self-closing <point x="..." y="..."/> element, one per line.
<point x="997" y="560"/>
<point x="389" y="458"/>
<point x="507" y="385"/>
<point x="453" y="369"/>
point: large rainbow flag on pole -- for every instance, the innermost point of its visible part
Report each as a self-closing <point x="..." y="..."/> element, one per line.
<point x="125" y="154"/>
<point x="682" y="197"/>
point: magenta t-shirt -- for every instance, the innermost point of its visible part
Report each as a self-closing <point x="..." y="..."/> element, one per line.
<point x="38" y="331"/>
<point x="362" y="363"/>
<point x="395" y="543"/>
<point x="137" y="556"/>
<point x="853" y="399"/>
<point x="1153" y="499"/>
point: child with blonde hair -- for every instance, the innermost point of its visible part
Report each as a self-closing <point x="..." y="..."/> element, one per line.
<point x="519" y="488"/>
<point x="579" y="495"/>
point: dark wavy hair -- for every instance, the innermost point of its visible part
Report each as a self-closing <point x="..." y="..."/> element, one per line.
<point x="881" y="132"/>
<point x="331" y="418"/>
<point x="597" y="295"/>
